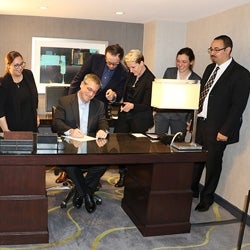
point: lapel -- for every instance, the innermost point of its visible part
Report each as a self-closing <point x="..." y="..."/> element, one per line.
<point x="75" y="110"/>
<point x="91" y="111"/>
<point x="140" y="83"/>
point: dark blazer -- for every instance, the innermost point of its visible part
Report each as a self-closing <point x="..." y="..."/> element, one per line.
<point x="142" y="114"/>
<point x="7" y="98"/>
<point x="227" y="101"/>
<point x="95" y="64"/>
<point x="171" y="73"/>
<point x="67" y="116"/>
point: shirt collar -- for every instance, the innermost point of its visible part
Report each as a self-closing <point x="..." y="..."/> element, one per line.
<point x="224" y="65"/>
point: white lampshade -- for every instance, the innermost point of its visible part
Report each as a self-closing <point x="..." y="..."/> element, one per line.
<point x="175" y="94"/>
<point x="178" y="94"/>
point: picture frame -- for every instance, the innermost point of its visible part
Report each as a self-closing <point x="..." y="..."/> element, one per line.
<point x="55" y="61"/>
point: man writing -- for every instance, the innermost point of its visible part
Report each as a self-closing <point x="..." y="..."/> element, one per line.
<point x="77" y="115"/>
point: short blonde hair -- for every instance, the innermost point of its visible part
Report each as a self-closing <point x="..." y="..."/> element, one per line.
<point x="93" y="78"/>
<point x="134" y="55"/>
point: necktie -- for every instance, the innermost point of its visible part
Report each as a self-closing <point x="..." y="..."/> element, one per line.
<point x="207" y="86"/>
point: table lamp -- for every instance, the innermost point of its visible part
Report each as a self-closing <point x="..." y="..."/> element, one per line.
<point x="178" y="94"/>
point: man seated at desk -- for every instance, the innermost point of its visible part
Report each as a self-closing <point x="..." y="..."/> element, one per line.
<point x="77" y="115"/>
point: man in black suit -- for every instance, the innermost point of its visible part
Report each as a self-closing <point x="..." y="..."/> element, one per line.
<point x="77" y="115"/>
<point x="220" y="115"/>
<point x="109" y="69"/>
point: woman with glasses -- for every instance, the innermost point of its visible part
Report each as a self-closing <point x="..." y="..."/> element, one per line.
<point x="18" y="96"/>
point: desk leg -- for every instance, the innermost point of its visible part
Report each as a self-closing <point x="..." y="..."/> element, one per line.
<point x="158" y="197"/>
<point x="24" y="205"/>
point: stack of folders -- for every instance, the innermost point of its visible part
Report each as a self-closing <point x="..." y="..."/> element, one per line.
<point x="48" y="143"/>
<point x="15" y="142"/>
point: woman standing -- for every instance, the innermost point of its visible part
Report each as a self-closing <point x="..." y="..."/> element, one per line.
<point x="177" y="121"/>
<point x="18" y="96"/>
<point x="136" y="115"/>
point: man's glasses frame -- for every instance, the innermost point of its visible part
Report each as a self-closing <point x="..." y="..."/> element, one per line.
<point x="216" y="50"/>
<point x="112" y="64"/>
<point x="90" y="89"/>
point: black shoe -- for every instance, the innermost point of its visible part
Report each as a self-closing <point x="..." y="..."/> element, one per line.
<point x="203" y="206"/>
<point x="120" y="182"/>
<point x="77" y="201"/>
<point x="90" y="204"/>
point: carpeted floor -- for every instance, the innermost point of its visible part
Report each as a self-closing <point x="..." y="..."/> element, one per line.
<point x="109" y="228"/>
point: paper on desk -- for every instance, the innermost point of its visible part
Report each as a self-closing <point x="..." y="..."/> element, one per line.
<point x="85" y="138"/>
<point x="138" y="135"/>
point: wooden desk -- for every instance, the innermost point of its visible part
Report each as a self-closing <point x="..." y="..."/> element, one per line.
<point x="157" y="195"/>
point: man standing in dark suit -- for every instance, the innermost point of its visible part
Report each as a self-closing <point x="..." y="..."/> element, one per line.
<point x="77" y="115"/>
<point x="220" y="114"/>
<point x="109" y="69"/>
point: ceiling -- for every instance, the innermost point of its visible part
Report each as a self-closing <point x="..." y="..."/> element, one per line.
<point x="135" y="11"/>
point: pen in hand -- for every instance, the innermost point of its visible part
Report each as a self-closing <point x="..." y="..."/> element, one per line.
<point x="77" y="132"/>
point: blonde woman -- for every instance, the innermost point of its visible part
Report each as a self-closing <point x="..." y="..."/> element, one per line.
<point x="135" y="115"/>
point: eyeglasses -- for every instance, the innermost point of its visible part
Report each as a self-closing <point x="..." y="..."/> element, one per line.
<point x="21" y="65"/>
<point x="90" y="89"/>
<point x="112" y="64"/>
<point x="216" y="50"/>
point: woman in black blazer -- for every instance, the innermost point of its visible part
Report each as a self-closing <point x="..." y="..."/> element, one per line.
<point x="18" y="96"/>
<point x="135" y="115"/>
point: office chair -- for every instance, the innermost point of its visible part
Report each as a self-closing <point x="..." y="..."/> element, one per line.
<point x="69" y="182"/>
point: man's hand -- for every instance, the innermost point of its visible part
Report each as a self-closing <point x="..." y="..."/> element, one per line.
<point x="221" y="137"/>
<point x="101" y="142"/>
<point x="101" y="134"/>
<point x="110" y="95"/>
<point x="76" y="132"/>
<point x="75" y="143"/>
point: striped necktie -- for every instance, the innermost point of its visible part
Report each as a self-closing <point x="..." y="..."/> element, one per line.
<point x="207" y="86"/>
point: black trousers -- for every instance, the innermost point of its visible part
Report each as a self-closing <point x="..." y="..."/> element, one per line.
<point x="206" y="136"/>
<point x="88" y="183"/>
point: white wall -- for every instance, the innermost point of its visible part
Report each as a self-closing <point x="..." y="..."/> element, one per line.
<point x="235" y="179"/>
<point x="162" y="40"/>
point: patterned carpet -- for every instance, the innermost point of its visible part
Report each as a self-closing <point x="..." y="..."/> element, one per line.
<point x="109" y="228"/>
